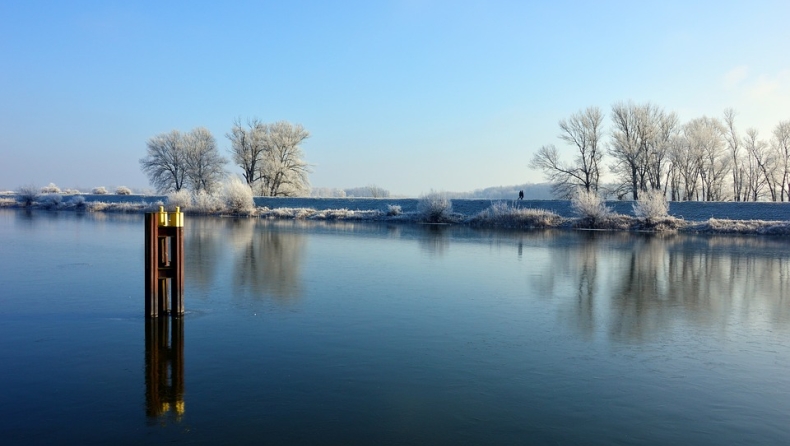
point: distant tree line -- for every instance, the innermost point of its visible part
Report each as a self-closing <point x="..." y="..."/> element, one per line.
<point x="648" y="148"/>
<point x="542" y="191"/>
<point x="371" y="191"/>
<point x="270" y="156"/>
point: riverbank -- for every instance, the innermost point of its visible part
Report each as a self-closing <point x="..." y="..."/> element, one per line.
<point x="697" y="217"/>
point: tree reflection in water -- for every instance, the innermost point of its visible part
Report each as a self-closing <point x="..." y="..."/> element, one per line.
<point x="268" y="261"/>
<point x="202" y="249"/>
<point x="632" y="287"/>
<point x="435" y="240"/>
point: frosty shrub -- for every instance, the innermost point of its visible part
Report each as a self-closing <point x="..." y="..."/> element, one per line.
<point x="101" y="190"/>
<point x="97" y="206"/>
<point x="726" y="226"/>
<point x="205" y="203"/>
<point x="182" y="199"/>
<point x="77" y="202"/>
<point x="303" y="213"/>
<point x="393" y="210"/>
<point x="27" y="195"/>
<point x="589" y="205"/>
<point x="652" y="205"/>
<point x="281" y="213"/>
<point x="237" y="197"/>
<point x="503" y="215"/>
<point x="123" y="190"/>
<point x="435" y="207"/>
<point x="775" y="228"/>
<point x="71" y="192"/>
<point x="51" y="189"/>
<point x="50" y="201"/>
<point x="129" y="207"/>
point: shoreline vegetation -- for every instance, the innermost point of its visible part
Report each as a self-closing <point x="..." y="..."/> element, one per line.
<point x="590" y="212"/>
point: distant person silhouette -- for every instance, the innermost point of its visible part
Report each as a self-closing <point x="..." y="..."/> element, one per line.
<point x="521" y="195"/>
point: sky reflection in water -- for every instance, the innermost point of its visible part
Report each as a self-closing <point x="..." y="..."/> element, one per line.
<point x="319" y="333"/>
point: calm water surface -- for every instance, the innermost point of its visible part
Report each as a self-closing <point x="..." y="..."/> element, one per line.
<point x="346" y="333"/>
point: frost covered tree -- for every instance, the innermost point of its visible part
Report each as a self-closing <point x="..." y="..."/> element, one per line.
<point x="626" y="147"/>
<point x="584" y="131"/>
<point x="684" y="171"/>
<point x="754" y="167"/>
<point x="166" y="162"/>
<point x="27" y="195"/>
<point x="739" y="162"/>
<point x="175" y="161"/>
<point x="705" y="139"/>
<point x="327" y="192"/>
<point x="642" y="137"/>
<point x="700" y="161"/>
<point x="205" y="165"/>
<point x="271" y="157"/>
<point x="780" y="147"/>
<point x="758" y="167"/>
<point x="248" y="146"/>
<point x="658" y="157"/>
<point x="378" y="192"/>
<point x="283" y="171"/>
<point x="658" y="164"/>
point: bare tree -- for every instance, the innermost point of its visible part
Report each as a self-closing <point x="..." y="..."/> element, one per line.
<point x="283" y="172"/>
<point x="205" y="166"/>
<point x="562" y="176"/>
<point x="248" y="146"/>
<point x="377" y="192"/>
<point x="657" y="163"/>
<point x="673" y="182"/>
<point x="166" y="162"/>
<point x="178" y="160"/>
<point x="686" y="166"/>
<point x="758" y="169"/>
<point x="641" y="140"/>
<point x="625" y="147"/>
<point x="583" y="130"/>
<point x="780" y="146"/>
<point x="705" y="141"/>
<point x="739" y="164"/>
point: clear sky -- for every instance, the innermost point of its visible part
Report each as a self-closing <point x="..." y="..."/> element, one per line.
<point x="409" y="95"/>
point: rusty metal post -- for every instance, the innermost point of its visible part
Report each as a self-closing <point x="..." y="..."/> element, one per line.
<point x="164" y="252"/>
<point x="164" y="263"/>
<point x="177" y="296"/>
<point x="151" y="266"/>
<point x="163" y="290"/>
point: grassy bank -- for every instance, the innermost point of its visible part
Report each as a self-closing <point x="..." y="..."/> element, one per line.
<point x="431" y="209"/>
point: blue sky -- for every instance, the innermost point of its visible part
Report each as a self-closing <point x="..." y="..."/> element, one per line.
<point x="411" y="96"/>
